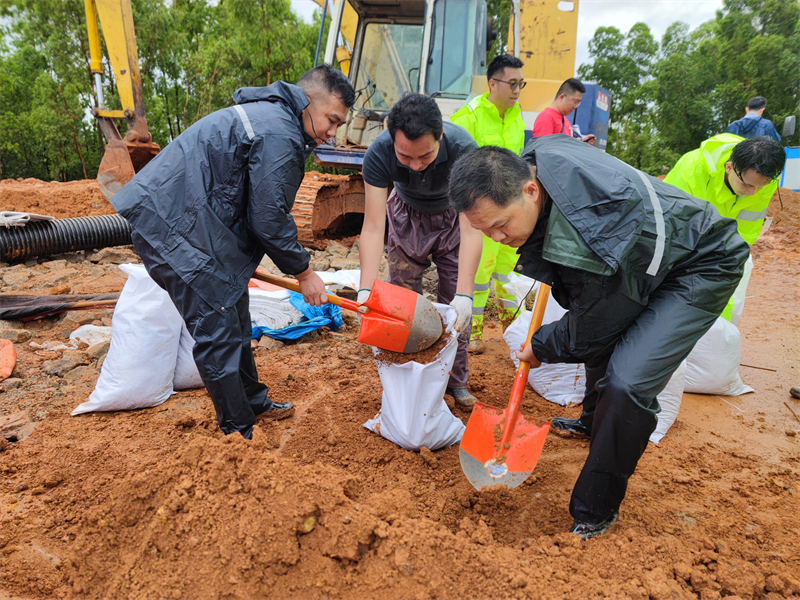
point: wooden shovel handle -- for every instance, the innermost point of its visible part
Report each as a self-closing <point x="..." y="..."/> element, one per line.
<point x="88" y="303"/>
<point x="521" y="376"/>
<point x="291" y="284"/>
<point x="536" y="319"/>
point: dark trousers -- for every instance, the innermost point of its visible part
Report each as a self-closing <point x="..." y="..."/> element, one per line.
<point x="221" y="351"/>
<point x="620" y="405"/>
<point x="413" y="237"/>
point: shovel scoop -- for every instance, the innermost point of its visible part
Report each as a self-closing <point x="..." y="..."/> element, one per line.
<point x="501" y="446"/>
<point x="392" y="318"/>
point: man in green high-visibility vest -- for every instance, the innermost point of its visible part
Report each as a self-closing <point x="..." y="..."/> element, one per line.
<point x="495" y="119"/>
<point x="738" y="176"/>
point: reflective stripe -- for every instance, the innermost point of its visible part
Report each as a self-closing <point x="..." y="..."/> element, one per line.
<point x="509" y="303"/>
<point x="658" y="213"/>
<point x="500" y="277"/>
<point x="751" y="215"/>
<point x="477" y="311"/>
<point x="245" y="121"/>
<point x="481" y="287"/>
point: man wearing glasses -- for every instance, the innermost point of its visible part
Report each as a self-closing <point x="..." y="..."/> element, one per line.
<point x="495" y="119"/>
<point x="553" y="119"/>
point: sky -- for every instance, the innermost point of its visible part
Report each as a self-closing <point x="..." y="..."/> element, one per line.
<point x="622" y="14"/>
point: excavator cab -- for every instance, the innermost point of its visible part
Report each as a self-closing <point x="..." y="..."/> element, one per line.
<point x="435" y="47"/>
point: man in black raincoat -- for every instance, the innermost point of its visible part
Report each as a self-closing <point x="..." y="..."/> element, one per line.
<point x="643" y="268"/>
<point x="212" y="203"/>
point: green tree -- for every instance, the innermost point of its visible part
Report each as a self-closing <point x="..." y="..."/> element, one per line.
<point x="668" y="98"/>
<point x="193" y="54"/>
<point x="623" y="64"/>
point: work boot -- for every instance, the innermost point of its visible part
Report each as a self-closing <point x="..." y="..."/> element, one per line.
<point x="570" y="427"/>
<point x="587" y="531"/>
<point x="277" y="411"/>
<point x="476" y="346"/>
<point x="462" y="397"/>
<point x="795" y="392"/>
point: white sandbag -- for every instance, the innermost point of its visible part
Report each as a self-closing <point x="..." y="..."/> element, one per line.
<point x="670" y="401"/>
<point x="91" y="335"/>
<point x="561" y="383"/>
<point x="713" y="365"/>
<point x="145" y="332"/>
<point x="413" y="411"/>
<point x="186" y="377"/>
<point x="740" y="293"/>
<point x="346" y="278"/>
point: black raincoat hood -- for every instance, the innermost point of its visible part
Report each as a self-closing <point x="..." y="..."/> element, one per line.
<point x="293" y="96"/>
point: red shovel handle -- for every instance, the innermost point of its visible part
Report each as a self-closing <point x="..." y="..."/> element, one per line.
<point x="291" y="284"/>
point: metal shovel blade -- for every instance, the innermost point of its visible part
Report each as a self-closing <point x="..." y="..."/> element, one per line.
<point x="399" y="320"/>
<point x="483" y="459"/>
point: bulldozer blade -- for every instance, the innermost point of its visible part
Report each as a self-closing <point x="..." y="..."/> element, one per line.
<point x="116" y="168"/>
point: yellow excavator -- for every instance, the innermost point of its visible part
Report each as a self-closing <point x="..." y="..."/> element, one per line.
<point x="435" y="47"/>
<point x="124" y="156"/>
<point x="386" y="48"/>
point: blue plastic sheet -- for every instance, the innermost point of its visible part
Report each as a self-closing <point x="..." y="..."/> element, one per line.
<point x="328" y="315"/>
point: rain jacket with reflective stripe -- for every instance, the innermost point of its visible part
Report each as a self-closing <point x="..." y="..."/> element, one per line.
<point x="612" y="230"/>
<point x="482" y="120"/>
<point x="220" y="195"/>
<point x="701" y="173"/>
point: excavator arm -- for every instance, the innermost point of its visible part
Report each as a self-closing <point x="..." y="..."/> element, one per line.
<point x="124" y="156"/>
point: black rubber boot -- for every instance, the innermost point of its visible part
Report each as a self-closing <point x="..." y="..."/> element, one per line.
<point x="587" y="531"/>
<point x="573" y="427"/>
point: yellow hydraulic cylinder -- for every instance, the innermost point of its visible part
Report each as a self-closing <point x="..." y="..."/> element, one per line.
<point x="94" y="37"/>
<point x="116" y="18"/>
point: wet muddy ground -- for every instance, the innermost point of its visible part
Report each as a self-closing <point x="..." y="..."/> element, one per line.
<point x="157" y="503"/>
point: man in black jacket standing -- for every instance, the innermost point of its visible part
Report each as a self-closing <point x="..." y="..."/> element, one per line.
<point x="208" y="207"/>
<point x="643" y="268"/>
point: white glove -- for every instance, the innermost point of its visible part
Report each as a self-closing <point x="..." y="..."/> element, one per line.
<point x="463" y="307"/>
<point x="363" y="294"/>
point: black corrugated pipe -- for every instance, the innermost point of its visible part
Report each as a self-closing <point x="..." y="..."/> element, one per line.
<point x="43" y="238"/>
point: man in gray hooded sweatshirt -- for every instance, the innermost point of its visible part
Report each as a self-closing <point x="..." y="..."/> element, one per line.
<point x="212" y="203"/>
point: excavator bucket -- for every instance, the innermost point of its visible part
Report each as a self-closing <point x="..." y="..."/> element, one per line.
<point x="121" y="161"/>
<point x="116" y="168"/>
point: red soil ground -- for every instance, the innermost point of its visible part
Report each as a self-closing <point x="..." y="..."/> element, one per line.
<point x="157" y="503"/>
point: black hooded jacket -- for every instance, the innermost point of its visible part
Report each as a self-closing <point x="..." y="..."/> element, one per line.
<point x="611" y="236"/>
<point x="219" y="197"/>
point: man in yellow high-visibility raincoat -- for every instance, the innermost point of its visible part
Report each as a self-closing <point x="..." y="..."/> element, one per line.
<point x="495" y="119"/>
<point x="737" y="175"/>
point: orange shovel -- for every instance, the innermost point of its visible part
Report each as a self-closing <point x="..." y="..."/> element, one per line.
<point x="392" y="318"/>
<point x="502" y="446"/>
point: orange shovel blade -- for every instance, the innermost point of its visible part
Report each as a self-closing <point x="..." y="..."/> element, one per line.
<point x="483" y="459"/>
<point x="399" y="320"/>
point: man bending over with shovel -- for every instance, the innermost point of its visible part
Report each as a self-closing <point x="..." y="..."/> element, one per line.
<point x="212" y="203"/>
<point x="414" y="155"/>
<point x="643" y="268"/>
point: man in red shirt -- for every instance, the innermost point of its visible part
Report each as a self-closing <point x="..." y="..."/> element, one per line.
<point x="553" y="119"/>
